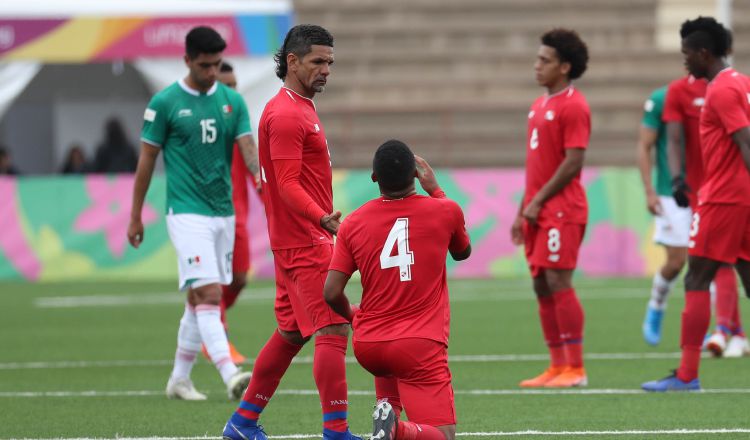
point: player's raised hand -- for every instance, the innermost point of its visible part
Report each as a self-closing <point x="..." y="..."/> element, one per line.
<point x="426" y="175"/>
<point x="331" y="222"/>
<point x="135" y="233"/>
<point x="516" y="231"/>
<point x="653" y="203"/>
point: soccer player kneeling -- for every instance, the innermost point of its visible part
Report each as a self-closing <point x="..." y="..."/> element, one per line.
<point x="399" y="243"/>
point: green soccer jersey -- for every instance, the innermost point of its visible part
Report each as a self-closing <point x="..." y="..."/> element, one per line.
<point x="197" y="131"/>
<point x="652" y="111"/>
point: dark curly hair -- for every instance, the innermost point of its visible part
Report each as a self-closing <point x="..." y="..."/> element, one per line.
<point x="298" y="41"/>
<point x="570" y="49"/>
<point x="707" y="33"/>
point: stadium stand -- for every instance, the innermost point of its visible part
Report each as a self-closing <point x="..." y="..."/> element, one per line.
<point x="454" y="79"/>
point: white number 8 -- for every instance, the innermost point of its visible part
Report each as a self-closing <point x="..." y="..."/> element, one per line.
<point x="553" y="240"/>
<point x="695" y="225"/>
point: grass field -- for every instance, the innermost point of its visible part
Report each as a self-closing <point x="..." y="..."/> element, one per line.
<point x="92" y="360"/>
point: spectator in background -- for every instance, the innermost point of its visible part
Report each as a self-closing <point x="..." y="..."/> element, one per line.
<point x="6" y="164"/>
<point x="116" y="154"/>
<point x="75" y="161"/>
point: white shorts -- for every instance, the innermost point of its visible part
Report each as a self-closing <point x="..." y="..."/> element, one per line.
<point x="672" y="227"/>
<point x="204" y="248"/>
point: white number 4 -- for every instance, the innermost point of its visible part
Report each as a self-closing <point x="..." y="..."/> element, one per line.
<point x="208" y="131"/>
<point x="399" y="236"/>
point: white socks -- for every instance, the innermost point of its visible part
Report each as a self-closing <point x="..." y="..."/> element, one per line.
<point x="215" y="339"/>
<point x="188" y="344"/>
<point x="660" y="291"/>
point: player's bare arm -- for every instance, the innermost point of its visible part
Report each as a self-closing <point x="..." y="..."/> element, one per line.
<point x="568" y="169"/>
<point x="676" y="160"/>
<point x="741" y="137"/>
<point x="143" y="173"/>
<point x="646" y="140"/>
<point x="516" y="229"/>
<point x="333" y="292"/>
<point x="250" y="155"/>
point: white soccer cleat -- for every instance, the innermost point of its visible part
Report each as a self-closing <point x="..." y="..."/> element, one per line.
<point x="737" y="347"/>
<point x="237" y="384"/>
<point x="716" y="344"/>
<point x="183" y="389"/>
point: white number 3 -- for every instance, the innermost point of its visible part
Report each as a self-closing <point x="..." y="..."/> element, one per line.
<point x="399" y="236"/>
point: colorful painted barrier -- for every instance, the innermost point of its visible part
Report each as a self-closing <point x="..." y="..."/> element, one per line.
<point x="73" y="228"/>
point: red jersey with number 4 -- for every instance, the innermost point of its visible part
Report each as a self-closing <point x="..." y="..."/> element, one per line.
<point x="557" y="122"/>
<point x="727" y="109"/>
<point x="399" y="247"/>
<point x="290" y="129"/>
<point x="685" y="99"/>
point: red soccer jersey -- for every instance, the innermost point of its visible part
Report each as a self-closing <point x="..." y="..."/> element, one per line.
<point x="290" y="129"/>
<point x="726" y="178"/>
<point x="399" y="247"/>
<point x="685" y="99"/>
<point x="557" y="122"/>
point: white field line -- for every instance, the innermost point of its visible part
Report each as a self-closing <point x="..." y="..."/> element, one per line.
<point x="480" y="358"/>
<point x="266" y="294"/>
<point x="371" y="393"/>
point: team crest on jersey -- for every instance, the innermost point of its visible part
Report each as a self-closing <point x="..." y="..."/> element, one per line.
<point x="698" y="102"/>
<point x="531" y="114"/>
<point x="748" y="97"/>
<point x="226" y="108"/>
<point x="184" y="113"/>
<point x="317" y="128"/>
<point x="550" y="115"/>
<point x="196" y="260"/>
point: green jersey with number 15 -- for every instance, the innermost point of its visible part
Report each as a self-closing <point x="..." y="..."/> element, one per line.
<point x="197" y="132"/>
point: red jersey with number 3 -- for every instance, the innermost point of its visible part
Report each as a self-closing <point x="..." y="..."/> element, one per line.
<point x="557" y="122"/>
<point x="727" y="109"/>
<point x="290" y="129"/>
<point x="399" y="247"/>
<point x="685" y="99"/>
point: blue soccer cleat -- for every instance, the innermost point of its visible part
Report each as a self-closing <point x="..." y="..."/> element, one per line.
<point x="329" y="434"/>
<point x="671" y="383"/>
<point x="237" y="432"/>
<point x="652" y="325"/>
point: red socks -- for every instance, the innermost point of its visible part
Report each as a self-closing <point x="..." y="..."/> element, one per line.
<point x="386" y="388"/>
<point x="329" y="370"/>
<point x="271" y="364"/>
<point x="570" y="320"/>
<point x="726" y="300"/>
<point x="413" y="431"/>
<point x="548" y="318"/>
<point x="696" y="318"/>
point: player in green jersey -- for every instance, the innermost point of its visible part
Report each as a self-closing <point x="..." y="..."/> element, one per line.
<point x="196" y="121"/>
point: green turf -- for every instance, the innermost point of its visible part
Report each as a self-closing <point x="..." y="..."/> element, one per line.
<point x="495" y="317"/>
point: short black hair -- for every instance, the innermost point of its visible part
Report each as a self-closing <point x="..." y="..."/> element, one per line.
<point x="298" y="41"/>
<point x="226" y="67"/>
<point x="203" y="39"/>
<point x="394" y="165"/>
<point x="570" y="49"/>
<point x="707" y="33"/>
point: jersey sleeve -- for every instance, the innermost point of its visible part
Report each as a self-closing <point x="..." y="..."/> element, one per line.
<point x="733" y="106"/>
<point x="672" y="110"/>
<point x="155" y="122"/>
<point x="576" y="125"/>
<point x="286" y="136"/>
<point x="343" y="260"/>
<point x="652" y="111"/>
<point x="243" y="119"/>
<point x="459" y="237"/>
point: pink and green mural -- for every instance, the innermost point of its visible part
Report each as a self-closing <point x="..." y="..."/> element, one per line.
<point x="73" y="228"/>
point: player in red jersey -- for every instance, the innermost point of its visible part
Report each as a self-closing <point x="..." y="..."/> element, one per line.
<point x="720" y="233"/>
<point x="297" y="191"/>
<point x="399" y="243"/>
<point x="552" y="218"/>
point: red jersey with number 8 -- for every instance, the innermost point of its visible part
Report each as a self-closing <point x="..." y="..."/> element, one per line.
<point x="557" y="122"/>
<point x="400" y="246"/>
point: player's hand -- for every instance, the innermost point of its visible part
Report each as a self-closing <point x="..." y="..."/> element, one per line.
<point x="426" y="176"/>
<point x="531" y="211"/>
<point x="331" y="222"/>
<point x="516" y="231"/>
<point x="135" y="233"/>
<point x="680" y="190"/>
<point x="258" y="184"/>
<point x="653" y="203"/>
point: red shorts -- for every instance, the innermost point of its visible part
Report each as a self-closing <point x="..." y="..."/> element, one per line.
<point x="552" y="245"/>
<point x="300" y="276"/>
<point x="720" y="232"/>
<point x="419" y="370"/>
